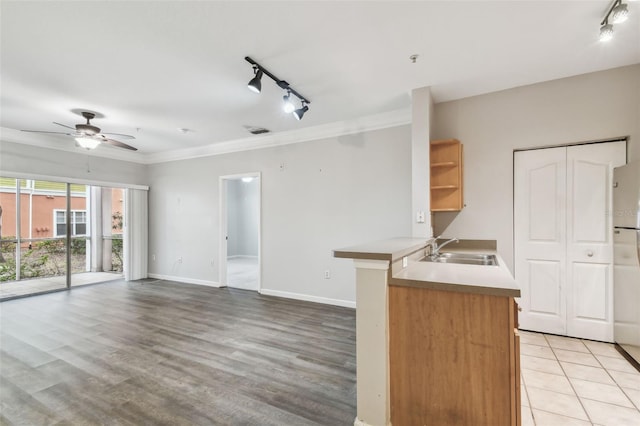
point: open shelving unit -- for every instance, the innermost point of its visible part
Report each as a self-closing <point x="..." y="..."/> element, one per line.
<point x="446" y="175"/>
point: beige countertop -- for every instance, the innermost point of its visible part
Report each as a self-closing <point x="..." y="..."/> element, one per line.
<point x="391" y="249"/>
<point x="490" y="280"/>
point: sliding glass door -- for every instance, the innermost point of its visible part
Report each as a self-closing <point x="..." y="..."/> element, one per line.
<point x="34" y="248"/>
<point x="55" y="235"/>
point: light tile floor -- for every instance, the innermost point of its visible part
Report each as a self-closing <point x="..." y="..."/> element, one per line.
<point x="567" y="381"/>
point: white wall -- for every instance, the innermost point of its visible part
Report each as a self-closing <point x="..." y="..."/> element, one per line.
<point x="38" y="161"/>
<point x="316" y="196"/>
<point x="587" y="107"/>
<point x="243" y="217"/>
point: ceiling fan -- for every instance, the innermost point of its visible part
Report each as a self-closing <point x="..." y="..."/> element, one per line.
<point x="88" y="136"/>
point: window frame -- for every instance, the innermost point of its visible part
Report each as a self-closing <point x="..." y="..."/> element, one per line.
<point x="74" y="223"/>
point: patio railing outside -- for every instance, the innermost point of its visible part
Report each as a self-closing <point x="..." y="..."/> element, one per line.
<point x="47" y="258"/>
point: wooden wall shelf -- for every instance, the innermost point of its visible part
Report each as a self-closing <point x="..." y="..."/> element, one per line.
<point x="446" y="175"/>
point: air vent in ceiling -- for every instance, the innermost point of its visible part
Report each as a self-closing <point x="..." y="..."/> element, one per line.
<point x="256" y="130"/>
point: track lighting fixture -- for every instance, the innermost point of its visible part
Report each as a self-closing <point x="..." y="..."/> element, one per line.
<point x="288" y="105"/>
<point x="300" y="112"/>
<point x="618" y="12"/>
<point x="255" y="85"/>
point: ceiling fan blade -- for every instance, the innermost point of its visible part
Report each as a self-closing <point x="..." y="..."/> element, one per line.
<point x="117" y="143"/>
<point x="44" y="131"/>
<point x="118" y="135"/>
<point x="64" y="125"/>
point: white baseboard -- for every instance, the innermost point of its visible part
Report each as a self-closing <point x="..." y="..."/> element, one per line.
<point x="185" y="280"/>
<point x="266" y="292"/>
<point x="308" y="298"/>
<point x="241" y="256"/>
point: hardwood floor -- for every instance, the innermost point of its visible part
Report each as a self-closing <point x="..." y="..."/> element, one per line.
<point x="158" y="352"/>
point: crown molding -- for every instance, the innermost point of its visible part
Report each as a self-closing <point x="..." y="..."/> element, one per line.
<point x="339" y="128"/>
<point x="324" y="131"/>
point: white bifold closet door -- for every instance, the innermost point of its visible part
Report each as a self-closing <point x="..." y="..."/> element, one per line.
<point x="563" y="238"/>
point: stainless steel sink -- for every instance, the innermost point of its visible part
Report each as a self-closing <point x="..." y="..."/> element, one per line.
<point x="464" y="258"/>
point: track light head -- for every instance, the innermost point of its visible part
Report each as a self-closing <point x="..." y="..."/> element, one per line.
<point x="620" y="13"/>
<point x="606" y="32"/>
<point x="255" y="85"/>
<point x="288" y="105"/>
<point x="300" y="112"/>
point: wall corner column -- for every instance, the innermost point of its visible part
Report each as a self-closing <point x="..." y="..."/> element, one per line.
<point x="372" y="343"/>
<point x="421" y="122"/>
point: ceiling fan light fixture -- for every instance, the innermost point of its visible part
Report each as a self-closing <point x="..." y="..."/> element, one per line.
<point x="88" y="136"/>
<point x="87" y="143"/>
<point x="255" y="85"/>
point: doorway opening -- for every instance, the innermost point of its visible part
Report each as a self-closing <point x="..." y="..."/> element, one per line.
<point x="240" y="218"/>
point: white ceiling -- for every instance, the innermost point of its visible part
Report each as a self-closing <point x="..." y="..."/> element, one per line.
<point x="152" y="67"/>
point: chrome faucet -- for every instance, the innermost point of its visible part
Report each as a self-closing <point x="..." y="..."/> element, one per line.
<point x="435" y="248"/>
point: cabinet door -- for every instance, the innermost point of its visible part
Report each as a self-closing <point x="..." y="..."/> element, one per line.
<point x="451" y="358"/>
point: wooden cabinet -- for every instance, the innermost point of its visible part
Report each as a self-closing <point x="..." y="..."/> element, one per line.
<point x="453" y="358"/>
<point x="446" y="175"/>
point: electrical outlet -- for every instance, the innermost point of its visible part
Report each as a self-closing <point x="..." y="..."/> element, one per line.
<point x="212" y="262"/>
<point x="180" y="259"/>
<point x="153" y="257"/>
<point x="405" y="262"/>
<point x="327" y="274"/>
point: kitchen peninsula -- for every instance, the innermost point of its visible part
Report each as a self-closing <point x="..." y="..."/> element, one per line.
<point x="437" y="343"/>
